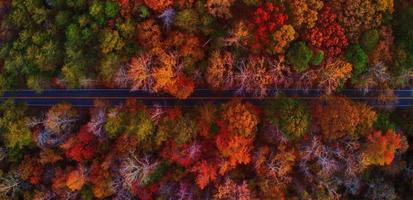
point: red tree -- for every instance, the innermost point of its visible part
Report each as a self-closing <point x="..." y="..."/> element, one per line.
<point x="328" y="35"/>
<point x="267" y="18"/>
<point x="83" y="147"/>
<point x="380" y="148"/>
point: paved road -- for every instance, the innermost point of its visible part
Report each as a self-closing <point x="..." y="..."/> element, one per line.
<point x="85" y="97"/>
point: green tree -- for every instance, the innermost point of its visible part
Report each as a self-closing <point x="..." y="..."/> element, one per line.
<point x="111" y="9"/>
<point x="290" y="115"/>
<point x="299" y="56"/>
<point x="383" y="122"/>
<point x="317" y="58"/>
<point x="110" y="40"/>
<point x="358" y="58"/>
<point x="97" y="11"/>
<point x="108" y="66"/>
<point x="185" y="129"/>
<point x="115" y="123"/>
<point x="13" y="125"/>
<point x="369" y="40"/>
<point x="403" y="31"/>
<point x="140" y="124"/>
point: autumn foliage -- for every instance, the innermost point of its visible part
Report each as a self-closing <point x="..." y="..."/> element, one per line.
<point x="381" y="148"/>
<point x="327" y="35"/>
<point x="335" y="125"/>
<point x="149" y="152"/>
<point x="175" y="47"/>
<point x="267" y="19"/>
<point x="254" y="99"/>
<point x="158" y="5"/>
<point x="82" y="147"/>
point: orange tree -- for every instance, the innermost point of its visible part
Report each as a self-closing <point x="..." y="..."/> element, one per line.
<point x="236" y="134"/>
<point x="380" y="148"/>
<point x="339" y="117"/>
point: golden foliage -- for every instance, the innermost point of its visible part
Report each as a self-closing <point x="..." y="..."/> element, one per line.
<point x="385" y="5"/>
<point x="283" y="37"/>
<point x="305" y="12"/>
<point x="75" y="180"/>
<point x="219" y="69"/>
<point x="333" y="74"/>
<point x="241" y="118"/>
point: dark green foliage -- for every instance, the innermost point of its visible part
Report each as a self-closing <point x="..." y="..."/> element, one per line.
<point x="111" y="9"/>
<point x="78" y="4"/>
<point x="143" y="12"/>
<point x="383" y="122"/>
<point x="86" y="193"/>
<point x="356" y="56"/>
<point x="404" y="120"/>
<point x="63" y="39"/>
<point x="157" y="174"/>
<point x="290" y="115"/>
<point x="317" y="58"/>
<point x="403" y="32"/>
<point x="63" y="18"/>
<point x="299" y="56"/>
<point x="15" y="155"/>
<point x="369" y="40"/>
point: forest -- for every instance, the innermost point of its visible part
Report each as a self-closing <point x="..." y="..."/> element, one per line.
<point x="176" y="46"/>
<point x="331" y="148"/>
<point x="283" y="148"/>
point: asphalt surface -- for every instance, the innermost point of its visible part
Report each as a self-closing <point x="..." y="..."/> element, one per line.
<point x="86" y="97"/>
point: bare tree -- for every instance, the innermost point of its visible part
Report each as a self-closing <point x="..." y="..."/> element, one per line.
<point x="137" y="169"/>
<point x="10" y="184"/>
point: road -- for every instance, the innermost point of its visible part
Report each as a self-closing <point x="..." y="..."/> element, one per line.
<point x="85" y="97"/>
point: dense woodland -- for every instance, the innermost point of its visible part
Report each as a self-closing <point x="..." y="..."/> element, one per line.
<point x="331" y="148"/>
<point x="175" y="46"/>
<point x="286" y="148"/>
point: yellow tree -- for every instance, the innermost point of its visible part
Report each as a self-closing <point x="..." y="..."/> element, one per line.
<point x="283" y="37"/>
<point x="333" y="74"/>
